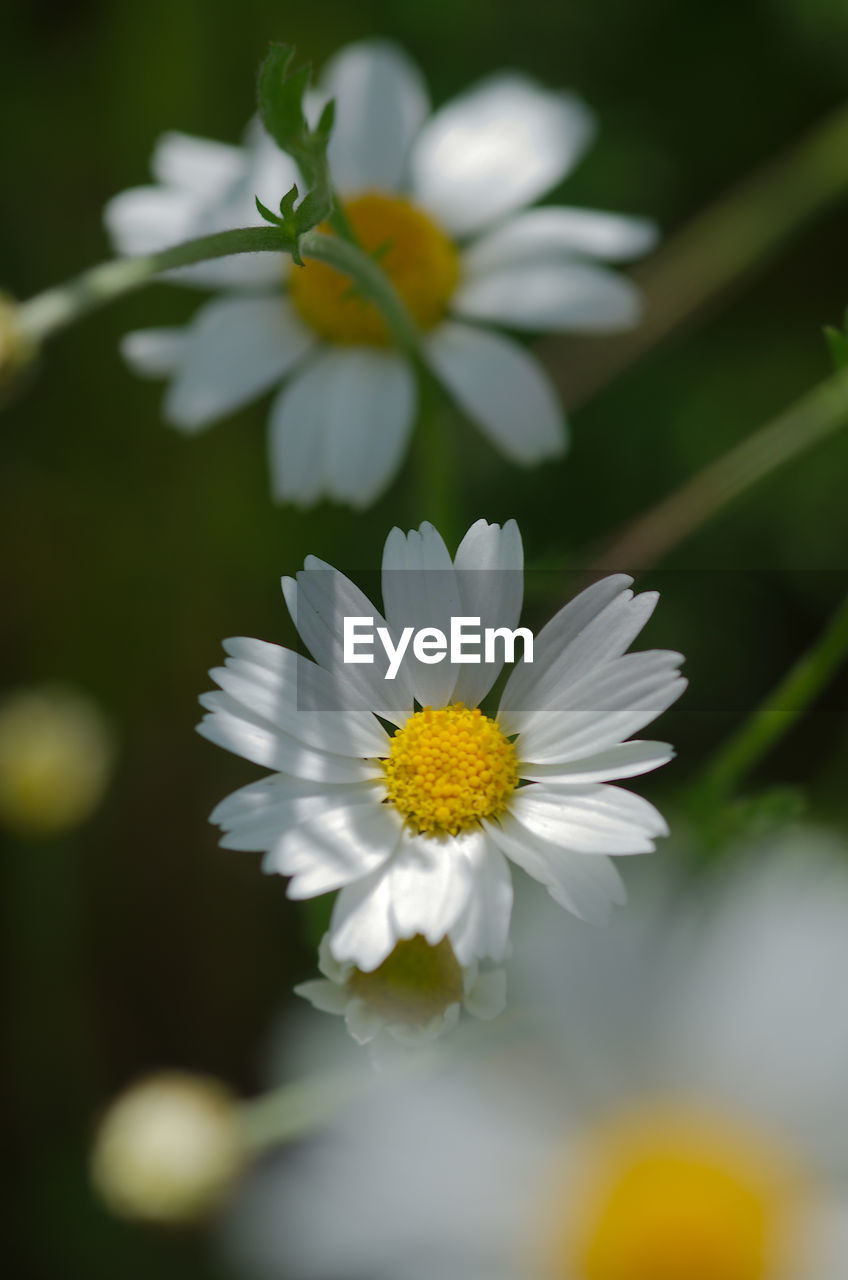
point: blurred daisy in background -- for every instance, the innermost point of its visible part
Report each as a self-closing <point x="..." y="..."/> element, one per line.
<point x="414" y="822"/>
<point x="677" y="1110"/>
<point x="56" y="756"/>
<point x="441" y="198"/>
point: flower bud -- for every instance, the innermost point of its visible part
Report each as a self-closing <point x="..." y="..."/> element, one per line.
<point x="414" y="996"/>
<point x="56" y="753"/>
<point x="168" y="1149"/>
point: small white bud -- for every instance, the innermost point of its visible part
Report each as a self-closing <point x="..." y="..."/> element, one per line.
<point x="168" y="1149"/>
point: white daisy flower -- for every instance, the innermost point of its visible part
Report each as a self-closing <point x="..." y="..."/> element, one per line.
<point x="682" y="1115"/>
<point x="415" y="995"/>
<point x="443" y="198"/>
<point x="401" y="793"/>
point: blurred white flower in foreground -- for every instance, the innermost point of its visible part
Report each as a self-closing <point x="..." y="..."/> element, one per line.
<point x="168" y="1149"/>
<point x="415" y="824"/>
<point x="56" y="753"/>
<point x="440" y="198"/>
<point x="680" y="1113"/>
<point x="415" y="995"/>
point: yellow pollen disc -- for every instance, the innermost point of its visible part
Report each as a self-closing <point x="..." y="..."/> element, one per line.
<point x="449" y="768"/>
<point x="414" y="984"/>
<point x="672" y="1196"/>
<point x="414" y="252"/>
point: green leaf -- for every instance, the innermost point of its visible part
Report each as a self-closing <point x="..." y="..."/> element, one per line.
<point x="281" y="97"/>
<point x="281" y="93"/>
<point x="287" y="221"/>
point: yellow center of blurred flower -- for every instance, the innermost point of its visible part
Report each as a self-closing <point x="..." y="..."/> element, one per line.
<point x="414" y="984"/>
<point x="55" y="757"/>
<point x="449" y="768"/>
<point x="669" y="1195"/>
<point x="413" y="251"/>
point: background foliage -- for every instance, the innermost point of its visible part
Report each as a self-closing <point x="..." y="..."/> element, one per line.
<point x="129" y="552"/>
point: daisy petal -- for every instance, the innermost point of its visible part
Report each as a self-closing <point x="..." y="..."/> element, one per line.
<point x="259" y="832"/>
<point x="487" y="997"/>
<point x="319" y="600"/>
<point x="236" y="349"/>
<point x="361" y="927"/>
<point x="599" y="819"/>
<point x="587" y="887"/>
<point x="230" y="726"/>
<point x="430" y="886"/>
<point x="603" y="710"/>
<point x="296" y="443"/>
<point x="259" y="799"/>
<point x="147" y="219"/>
<point x="489" y="566"/>
<point x="335" y="848"/>
<point x="483" y="929"/>
<point x="373" y="394"/>
<point x="420" y="591"/>
<point x="288" y="691"/>
<point x="499" y="146"/>
<point x="154" y="353"/>
<point x="381" y="102"/>
<point x="323" y="995"/>
<point x="551" y="234"/>
<point x="503" y="389"/>
<point x="597" y="624"/>
<point x="342" y="426"/>
<point x="203" y="168"/>
<point x="563" y="297"/>
<point x="625" y="761"/>
<point x="363" y="1022"/>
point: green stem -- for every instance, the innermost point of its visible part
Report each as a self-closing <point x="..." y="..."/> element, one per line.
<point x="306" y="1105"/>
<point x="778" y="712"/>
<point x="58" y="307"/>
<point x="813" y="418"/>
<point x="730" y="240"/>
<point x="436" y="467"/>
<point x="298" y="1108"/>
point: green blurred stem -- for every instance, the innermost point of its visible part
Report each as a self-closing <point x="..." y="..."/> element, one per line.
<point x="56" y="308"/>
<point x="296" y="1109"/>
<point x="817" y="415"/>
<point x="436" y="465"/>
<point x="776" y="715"/>
<point x="729" y="240"/>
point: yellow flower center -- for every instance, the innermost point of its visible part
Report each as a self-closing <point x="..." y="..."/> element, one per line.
<point x="672" y="1196"/>
<point x="449" y="768"/>
<point x="414" y="984"/>
<point x="414" y="252"/>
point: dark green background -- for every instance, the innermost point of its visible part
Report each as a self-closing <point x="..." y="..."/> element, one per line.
<point x="129" y="552"/>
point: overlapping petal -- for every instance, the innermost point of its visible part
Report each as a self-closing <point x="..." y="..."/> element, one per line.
<point x="495" y="148"/>
<point x="236" y="348"/>
<point x="381" y="103"/>
<point x="341" y="426"/>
